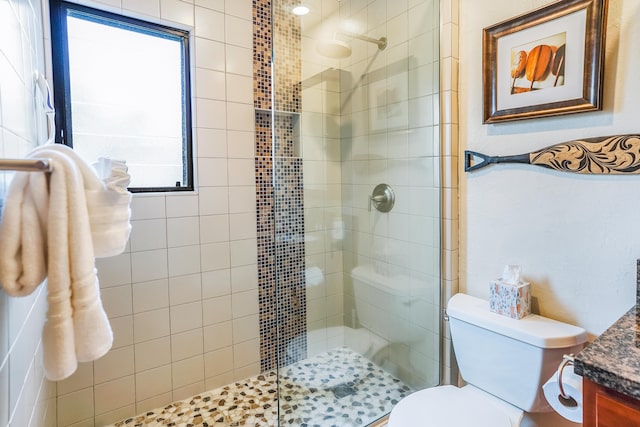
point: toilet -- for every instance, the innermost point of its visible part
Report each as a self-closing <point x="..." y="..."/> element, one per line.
<point x="504" y="362"/>
<point x="383" y="303"/>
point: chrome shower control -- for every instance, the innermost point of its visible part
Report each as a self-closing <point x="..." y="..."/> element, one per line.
<point x="383" y="198"/>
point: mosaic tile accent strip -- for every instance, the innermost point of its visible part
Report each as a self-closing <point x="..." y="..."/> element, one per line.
<point x="263" y="133"/>
<point x="280" y="213"/>
<point x="262" y="54"/>
<point x="287" y="58"/>
<point x="266" y="262"/>
<point x="280" y="217"/>
<point x="291" y="297"/>
<point x="339" y="388"/>
<point x="287" y="48"/>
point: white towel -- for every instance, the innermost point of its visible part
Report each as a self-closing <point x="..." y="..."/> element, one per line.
<point x="76" y="328"/>
<point x="58" y="336"/>
<point x="108" y="201"/>
<point x="23" y="234"/>
<point x="109" y="210"/>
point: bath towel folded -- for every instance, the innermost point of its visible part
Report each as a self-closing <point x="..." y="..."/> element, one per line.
<point x="108" y="201"/>
<point x="109" y="211"/>
<point x="49" y="229"/>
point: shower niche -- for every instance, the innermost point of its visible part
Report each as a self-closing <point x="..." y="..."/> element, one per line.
<point x="285" y="128"/>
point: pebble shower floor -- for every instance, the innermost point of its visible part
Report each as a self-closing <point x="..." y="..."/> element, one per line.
<point x="338" y="388"/>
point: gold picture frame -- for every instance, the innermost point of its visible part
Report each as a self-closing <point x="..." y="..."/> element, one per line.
<point x="546" y="62"/>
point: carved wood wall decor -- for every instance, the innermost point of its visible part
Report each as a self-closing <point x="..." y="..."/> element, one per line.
<point x="608" y="155"/>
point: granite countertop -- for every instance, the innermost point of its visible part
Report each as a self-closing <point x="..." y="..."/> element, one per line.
<point x="613" y="359"/>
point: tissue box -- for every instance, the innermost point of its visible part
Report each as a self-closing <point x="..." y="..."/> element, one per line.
<point x="510" y="300"/>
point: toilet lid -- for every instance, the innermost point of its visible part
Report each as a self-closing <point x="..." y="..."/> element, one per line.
<point x="446" y="406"/>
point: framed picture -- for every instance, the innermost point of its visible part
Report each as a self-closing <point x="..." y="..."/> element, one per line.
<point x="545" y="63"/>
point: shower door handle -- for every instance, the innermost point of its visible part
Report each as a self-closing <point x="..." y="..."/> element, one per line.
<point x="383" y="198"/>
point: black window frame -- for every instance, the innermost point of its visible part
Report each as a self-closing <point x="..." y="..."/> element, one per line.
<point x="58" y="11"/>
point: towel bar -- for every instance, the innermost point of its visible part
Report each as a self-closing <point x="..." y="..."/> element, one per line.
<point x="26" y="165"/>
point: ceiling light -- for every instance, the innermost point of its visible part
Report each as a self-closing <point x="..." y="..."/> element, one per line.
<point x="300" y="10"/>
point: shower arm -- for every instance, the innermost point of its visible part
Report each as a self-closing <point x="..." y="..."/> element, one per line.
<point x="381" y="42"/>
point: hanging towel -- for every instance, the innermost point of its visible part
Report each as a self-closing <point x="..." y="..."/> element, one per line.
<point x="23" y="234"/>
<point x="108" y="201"/>
<point x="58" y="334"/>
<point x="76" y="327"/>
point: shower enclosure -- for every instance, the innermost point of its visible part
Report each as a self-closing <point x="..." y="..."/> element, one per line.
<point x="352" y="130"/>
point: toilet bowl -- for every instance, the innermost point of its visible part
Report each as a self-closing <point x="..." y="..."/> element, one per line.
<point x="452" y="406"/>
<point x="504" y="362"/>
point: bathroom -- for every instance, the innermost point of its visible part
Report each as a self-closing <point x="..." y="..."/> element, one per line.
<point x="558" y="227"/>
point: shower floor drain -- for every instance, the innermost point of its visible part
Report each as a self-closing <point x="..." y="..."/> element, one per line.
<point x="342" y="390"/>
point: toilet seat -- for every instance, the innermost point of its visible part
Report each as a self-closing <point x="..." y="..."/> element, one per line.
<point x="450" y="406"/>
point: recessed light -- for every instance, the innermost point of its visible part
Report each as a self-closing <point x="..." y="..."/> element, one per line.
<point x="300" y="10"/>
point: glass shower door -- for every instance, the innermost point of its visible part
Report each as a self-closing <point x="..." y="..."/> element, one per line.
<point x="358" y="288"/>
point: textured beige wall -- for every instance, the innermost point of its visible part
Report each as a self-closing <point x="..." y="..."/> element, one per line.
<point x="576" y="237"/>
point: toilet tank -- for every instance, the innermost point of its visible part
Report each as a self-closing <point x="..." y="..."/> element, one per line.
<point x="509" y="358"/>
<point x="384" y="302"/>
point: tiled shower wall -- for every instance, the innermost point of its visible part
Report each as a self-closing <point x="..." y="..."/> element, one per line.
<point x="390" y="133"/>
<point x="324" y="226"/>
<point x="26" y="398"/>
<point x="378" y="117"/>
<point x="183" y="298"/>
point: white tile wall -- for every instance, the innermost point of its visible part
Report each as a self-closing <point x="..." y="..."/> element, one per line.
<point x="322" y="175"/>
<point x="182" y="205"/>
<point x="151" y="295"/>
<point x="214" y="228"/>
<point x="239" y="60"/>
<point x="213" y="200"/>
<point x="114" y="394"/>
<point x="211" y="142"/>
<point x="241" y="144"/>
<point x="173" y="297"/>
<point x="76" y="406"/>
<point x="185" y="289"/>
<point x="26" y="398"/>
<point x="153" y="353"/>
<point x="146" y="7"/>
<point x="153" y="382"/>
<point x="218" y="336"/>
<point x="209" y="24"/>
<point x="187" y="344"/>
<point x="176" y="11"/>
<point x="184" y="260"/>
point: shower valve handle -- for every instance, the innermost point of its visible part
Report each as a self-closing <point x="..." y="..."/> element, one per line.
<point x="383" y="198"/>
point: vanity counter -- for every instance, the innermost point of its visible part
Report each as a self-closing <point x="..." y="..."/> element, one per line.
<point x="613" y="359"/>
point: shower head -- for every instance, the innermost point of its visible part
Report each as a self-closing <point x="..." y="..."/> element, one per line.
<point x="381" y="42"/>
<point x="339" y="49"/>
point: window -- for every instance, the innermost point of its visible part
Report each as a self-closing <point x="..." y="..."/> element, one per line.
<point x="122" y="90"/>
